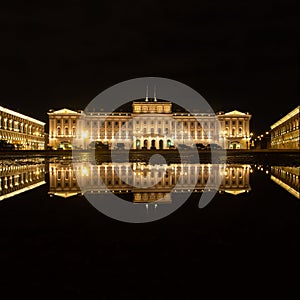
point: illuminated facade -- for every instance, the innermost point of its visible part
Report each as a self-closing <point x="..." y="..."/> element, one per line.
<point x="159" y="181"/>
<point x="285" y="132"/>
<point x="22" y="131"/>
<point x="149" y="125"/>
<point x="16" y="179"/>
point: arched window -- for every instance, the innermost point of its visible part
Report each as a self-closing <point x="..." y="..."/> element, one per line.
<point x="58" y="131"/>
<point x="66" y="131"/>
<point x="233" y="132"/>
<point x="74" y="131"/>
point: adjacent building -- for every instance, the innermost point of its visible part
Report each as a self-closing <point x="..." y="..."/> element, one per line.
<point x="285" y="132"/>
<point x="148" y="124"/>
<point x="24" y="132"/>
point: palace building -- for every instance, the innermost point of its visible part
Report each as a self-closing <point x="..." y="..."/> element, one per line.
<point x="148" y="124"/>
<point x="285" y="132"/>
<point x="24" y="132"/>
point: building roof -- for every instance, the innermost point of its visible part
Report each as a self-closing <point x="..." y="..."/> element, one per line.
<point x="127" y="107"/>
<point x="64" y="111"/>
<point x="14" y="113"/>
<point x="235" y="112"/>
<point x="286" y="117"/>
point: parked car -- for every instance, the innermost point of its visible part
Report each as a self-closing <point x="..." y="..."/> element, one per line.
<point x="4" y="145"/>
<point x="183" y="147"/>
<point x="120" y="146"/>
<point x="101" y="146"/>
<point x="213" y="147"/>
<point x="200" y="146"/>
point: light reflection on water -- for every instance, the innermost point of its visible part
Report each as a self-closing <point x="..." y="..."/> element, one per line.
<point x="287" y="178"/>
<point x="158" y="179"/>
<point x="19" y="176"/>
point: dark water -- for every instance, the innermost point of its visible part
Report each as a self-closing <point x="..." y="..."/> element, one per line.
<point x="244" y="244"/>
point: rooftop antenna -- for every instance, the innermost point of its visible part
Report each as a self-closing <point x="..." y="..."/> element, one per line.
<point x="155" y="94"/>
<point x="146" y="94"/>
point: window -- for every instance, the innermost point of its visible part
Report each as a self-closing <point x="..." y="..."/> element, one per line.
<point x="66" y="121"/>
<point x="58" y="121"/>
<point x="240" y="123"/>
<point x="233" y="122"/>
<point x="226" y="122"/>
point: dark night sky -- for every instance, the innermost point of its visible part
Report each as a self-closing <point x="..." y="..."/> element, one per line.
<point x="237" y="54"/>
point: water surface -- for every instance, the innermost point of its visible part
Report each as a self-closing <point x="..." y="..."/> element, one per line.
<point x="245" y="243"/>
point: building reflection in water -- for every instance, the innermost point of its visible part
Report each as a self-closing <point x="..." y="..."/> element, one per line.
<point x="21" y="177"/>
<point x="287" y="177"/>
<point x="146" y="183"/>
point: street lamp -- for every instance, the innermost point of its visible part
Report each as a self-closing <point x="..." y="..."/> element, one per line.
<point x="84" y="136"/>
